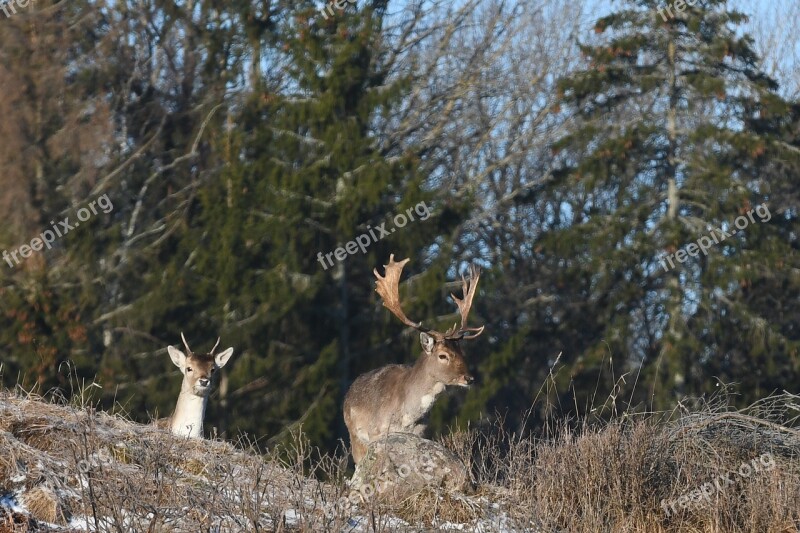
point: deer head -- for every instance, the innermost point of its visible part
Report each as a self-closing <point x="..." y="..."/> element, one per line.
<point x="441" y="351"/>
<point x="197" y="369"/>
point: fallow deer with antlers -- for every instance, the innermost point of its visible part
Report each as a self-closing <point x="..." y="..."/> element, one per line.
<point x="197" y="370"/>
<point x="396" y="398"/>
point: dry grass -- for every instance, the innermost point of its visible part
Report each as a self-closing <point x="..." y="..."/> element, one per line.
<point x="67" y="467"/>
<point x="614" y="476"/>
<point x="70" y="465"/>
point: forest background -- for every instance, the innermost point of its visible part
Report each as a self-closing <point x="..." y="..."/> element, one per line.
<point x="564" y="146"/>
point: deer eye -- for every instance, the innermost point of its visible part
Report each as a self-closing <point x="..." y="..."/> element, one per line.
<point x="188" y="369"/>
<point x="442" y="357"/>
<point x="213" y="369"/>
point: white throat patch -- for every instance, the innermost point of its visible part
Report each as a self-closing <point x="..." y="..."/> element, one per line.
<point x="427" y="400"/>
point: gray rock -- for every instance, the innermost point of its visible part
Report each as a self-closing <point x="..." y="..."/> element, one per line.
<point x="403" y="464"/>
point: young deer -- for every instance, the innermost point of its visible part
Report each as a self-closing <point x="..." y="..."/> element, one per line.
<point x="197" y="369"/>
<point x="395" y="398"/>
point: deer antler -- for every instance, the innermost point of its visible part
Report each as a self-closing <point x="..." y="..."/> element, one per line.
<point x="186" y="344"/>
<point x="387" y="287"/>
<point x="468" y="290"/>
<point x="215" y="346"/>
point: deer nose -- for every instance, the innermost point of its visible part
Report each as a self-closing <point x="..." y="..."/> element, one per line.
<point x="469" y="379"/>
<point x="203" y="382"/>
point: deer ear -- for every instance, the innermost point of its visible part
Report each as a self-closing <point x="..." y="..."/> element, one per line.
<point x="222" y="357"/>
<point x="177" y="356"/>
<point x="426" y="341"/>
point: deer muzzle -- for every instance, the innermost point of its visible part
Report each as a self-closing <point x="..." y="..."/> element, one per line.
<point x="466" y="380"/>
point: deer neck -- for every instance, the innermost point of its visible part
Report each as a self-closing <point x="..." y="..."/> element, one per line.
<point x="422" y="388"/>
<point x="187" y="420"/>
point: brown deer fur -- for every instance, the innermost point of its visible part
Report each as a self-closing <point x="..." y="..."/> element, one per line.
<point x="197" y="370"/>
<point x="396" y="398"/>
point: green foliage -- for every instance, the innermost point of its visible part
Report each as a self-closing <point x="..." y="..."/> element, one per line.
<point x="662" y="108"/>
<point x="242" y="144"/>
<point x="301" y="172"/>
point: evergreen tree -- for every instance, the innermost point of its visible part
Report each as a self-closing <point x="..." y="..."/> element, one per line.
<point x="171" y="110"/>
<point x="55" y="126"/>
<point x="305" y="174"/>
<point x="668" y="154"/>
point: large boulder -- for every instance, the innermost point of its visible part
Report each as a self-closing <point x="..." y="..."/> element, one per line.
<point x="403" y="464"/>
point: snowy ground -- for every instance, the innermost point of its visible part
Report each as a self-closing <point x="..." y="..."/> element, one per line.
<point x="70" y="469"/>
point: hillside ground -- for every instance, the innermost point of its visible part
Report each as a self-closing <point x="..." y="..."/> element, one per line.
<point x="68" y="467"/>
